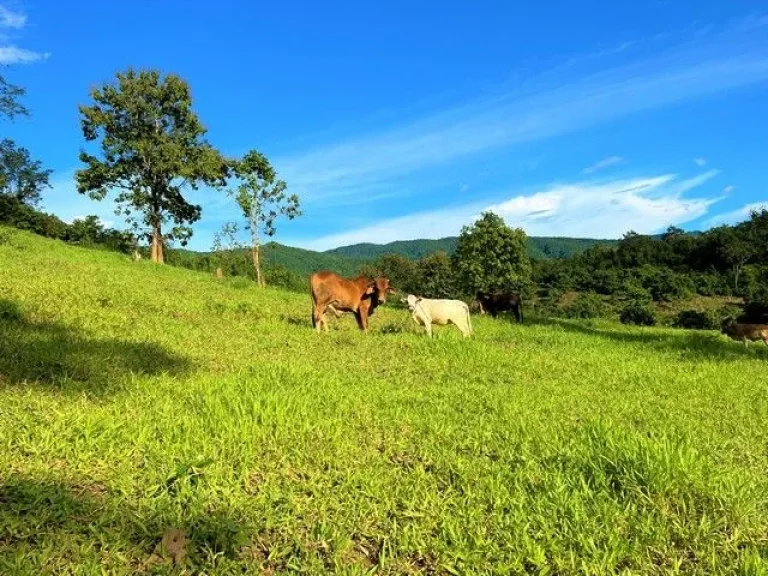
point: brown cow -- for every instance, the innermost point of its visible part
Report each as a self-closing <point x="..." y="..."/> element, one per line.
<point x="744" y="331"/>
<point x="360" y="295"/>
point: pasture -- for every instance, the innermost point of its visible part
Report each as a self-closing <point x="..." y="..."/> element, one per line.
<point x="137" y="399"/>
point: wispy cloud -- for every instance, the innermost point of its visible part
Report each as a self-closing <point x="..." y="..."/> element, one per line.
<point x="549" y="107"/>
<point x="736" y="216"/>
<point x="581" y="209"/>
<point x="12" y="21"/>
<point x="604" y="163"/>
<point x="15" y="55"/>
<point x="700" y="162"/>
<point x="728" y="189"/>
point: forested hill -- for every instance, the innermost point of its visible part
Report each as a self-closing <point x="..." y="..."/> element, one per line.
<point x="538" y="247"/>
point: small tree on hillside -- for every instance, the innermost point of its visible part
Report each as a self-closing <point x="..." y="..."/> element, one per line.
<point x="262" y="199"/>
<point x="20" y="176"/>
<point x="153" y="147"/>
<point x="225" y="244"/>
<point x="492" y="256"/>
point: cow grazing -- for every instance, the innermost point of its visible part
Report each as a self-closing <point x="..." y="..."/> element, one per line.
<point x="427" y="311"/>
<point x="359" y="296"/>
<point x="495" y="303"/>
<point x="745" y="332"/>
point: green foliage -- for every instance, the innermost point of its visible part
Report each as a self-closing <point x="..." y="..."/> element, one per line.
<point x="550" y="447"/>
<point x="20" y="176"/>
<point x="436" y="277"/>
<point x="585" y="306"/>
<point x="492" y="256"/>
<point x="10" y="106"/>
<point x="226" y="246"/>
<point x="638" y="313"/>
<point x="262" y="198"/>
<point x="402" y="272"/>
<point x="87" y="231"/>
<point x="152" y="149"/>
<point x="664" y="285"/>
<point x="697" y="320"/>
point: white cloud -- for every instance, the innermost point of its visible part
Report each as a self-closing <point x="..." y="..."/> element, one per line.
<point x="728" y="189"/>
<point x="582" y="209"/>
<point x="604" y="163"/>
<point x="551" y="107"/>
<point x="10" y="19"/>
<point x="15" y="55"/>
<point x="700" y="162"/>
<point x="736" y="216"/>
<point x="10" y="53"/>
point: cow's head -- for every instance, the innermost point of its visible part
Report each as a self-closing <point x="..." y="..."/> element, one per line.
<point x="379" y="288"/>
<point x="411" y="301"/>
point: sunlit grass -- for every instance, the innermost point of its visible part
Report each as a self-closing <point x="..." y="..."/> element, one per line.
<point x="136" y="399"/>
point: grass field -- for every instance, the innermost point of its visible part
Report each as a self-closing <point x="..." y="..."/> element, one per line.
<point x="140" y="402"/>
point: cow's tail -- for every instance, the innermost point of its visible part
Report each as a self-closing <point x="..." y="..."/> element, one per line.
<point x="469" y="318"/>
<point x="520" y="306"/>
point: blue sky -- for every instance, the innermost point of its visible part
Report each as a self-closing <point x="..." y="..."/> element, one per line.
<point x="403" y="120"/>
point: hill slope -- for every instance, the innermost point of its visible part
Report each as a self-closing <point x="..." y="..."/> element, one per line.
<point x="538" y="247"/>
<point x="137" y="401"/>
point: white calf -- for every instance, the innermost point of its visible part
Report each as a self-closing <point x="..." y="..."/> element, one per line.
<point x="427" y="311"/>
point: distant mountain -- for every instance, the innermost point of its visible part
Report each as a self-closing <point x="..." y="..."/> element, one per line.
<point x="538" y="247"/>
<point x="305" y="262"/>
<point x="297" y="260"/>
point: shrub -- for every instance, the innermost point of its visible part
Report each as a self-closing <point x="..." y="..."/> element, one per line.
<point x="586" y="305"/>
<point x="639" y="314"/>
<point x="695" y="320"/>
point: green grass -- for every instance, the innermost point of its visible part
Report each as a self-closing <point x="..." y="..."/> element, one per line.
<point x="135" y="399"/>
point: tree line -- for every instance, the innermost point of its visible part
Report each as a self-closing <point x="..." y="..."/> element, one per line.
<point x="147" y="147"/>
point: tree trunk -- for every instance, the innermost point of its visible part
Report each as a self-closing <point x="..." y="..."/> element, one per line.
<point x="157" y="245"/>
<point x="255" y="255"/>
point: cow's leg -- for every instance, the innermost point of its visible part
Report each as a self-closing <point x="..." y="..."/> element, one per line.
<point x="745" y="342"/>
<point x="362" y="320"/>
<point x="516" y="311"/>
<point x="318" y="318"/>
<point x="428" y="328"/>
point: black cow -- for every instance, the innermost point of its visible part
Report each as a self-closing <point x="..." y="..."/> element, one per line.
<point x="496" y="302"/>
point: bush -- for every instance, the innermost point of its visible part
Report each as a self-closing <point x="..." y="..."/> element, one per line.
<point x="695" y="320"/>
<point x="710" y="285"/>
<point x="664" y="285"/>
<point x="639" y="314"/>
<point x="586" y="305"/>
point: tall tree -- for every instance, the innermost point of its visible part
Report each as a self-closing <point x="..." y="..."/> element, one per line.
<point x="436" y="276"/>
<point x="492" y="256"/>
<point x="153" y="148"/>
<point x="10" y="107"/>
<point x="20" y="176"/>
<point x="262" y="199"/>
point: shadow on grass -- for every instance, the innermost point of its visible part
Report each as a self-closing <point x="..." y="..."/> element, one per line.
<point x="694" y="345"/>
<point x="62" y="358"/>
<point x="50" y="522"/>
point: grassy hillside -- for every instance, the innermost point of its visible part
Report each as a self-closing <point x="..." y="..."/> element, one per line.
<point x="538" y="247"/>
<point x="152" y="417"/>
